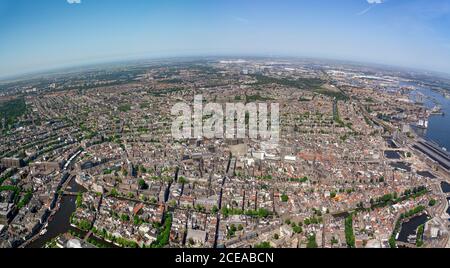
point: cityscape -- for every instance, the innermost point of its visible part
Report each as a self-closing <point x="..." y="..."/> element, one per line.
<point x="89" y="159"/>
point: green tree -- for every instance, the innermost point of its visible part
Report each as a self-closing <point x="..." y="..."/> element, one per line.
<point x="432" y="202"/>
<point x="125" y="217"/>
<point x="312" y="243"/>
<point x="79" y="200"/>
<point x="349" y="235"/>
<point x="263" y="245"/>
<point x="142" y="184"/>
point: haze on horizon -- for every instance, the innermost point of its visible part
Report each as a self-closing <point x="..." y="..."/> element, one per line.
<point x="45" y="34"/>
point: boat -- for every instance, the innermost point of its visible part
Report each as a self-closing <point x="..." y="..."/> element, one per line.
<point x="43" y="232"/>
<point x="437" y="110"/>
<point x="412" y="239"/>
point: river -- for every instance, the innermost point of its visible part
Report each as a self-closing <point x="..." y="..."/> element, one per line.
<point x="60" y="223"/>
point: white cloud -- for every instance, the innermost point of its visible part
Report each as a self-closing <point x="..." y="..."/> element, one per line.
<point x="372" y="4"/>
<point x="375" y="1"/>
<point x="74" y="1"/>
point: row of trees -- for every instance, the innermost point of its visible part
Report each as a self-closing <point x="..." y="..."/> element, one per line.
<point x="419" y="239"/>
<point x="312" y="243"/>
<point x="300" y="180"/>
<point x="25" y="199"/>
<point x="263" y="245"/>
<point x="9" y="188"/>
<point x="123" y="242"/>
<point x="349" y="235"/>
<point x="79" y="201"/>
<point x="163" y="237"/>
<point x="260" y="213"/>
<point x="390" y="199"/>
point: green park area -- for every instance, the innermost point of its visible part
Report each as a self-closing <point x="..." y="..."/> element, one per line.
<point x="10" y="110"/>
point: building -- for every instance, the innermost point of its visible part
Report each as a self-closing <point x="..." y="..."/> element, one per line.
<point x="11" y="162"/>
<point x="6" y="211"/>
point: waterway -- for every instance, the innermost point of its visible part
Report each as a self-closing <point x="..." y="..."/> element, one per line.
<point x="410" y="227"/>
<point x="392" y="155"/>
<point x="439" y="125"/>
<point x="60" y="221"/>
<point x="448" y="210"/>
<point x="445" y="187"/>
<point x="401" y="166"/>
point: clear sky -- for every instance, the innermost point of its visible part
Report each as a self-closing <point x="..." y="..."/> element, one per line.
<point x="42" y="34"/>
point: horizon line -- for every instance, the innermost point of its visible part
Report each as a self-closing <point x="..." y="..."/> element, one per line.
<point x="133" y="59"/>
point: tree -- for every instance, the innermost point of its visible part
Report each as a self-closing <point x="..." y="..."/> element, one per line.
<point x="214" y="209"/>
<point x="333" y="194"/>
<point x="25" y="200"/>
<point x="231" y="231"/>
<point x="125" y="218"/>
<point x="334" y="241"/>
<point x="263" y="213"/>
<point x="182" y="180"/>
<point x="419" y="238"/>
<point x="79" y="200"/>
<point x="392" y="242"/>
<point x="284" y="198"/>
<point x="263" y="245"/>
<point x="114" y="192"/>
<point x="297" y="229"/>
<point x="163" y="237"/>
<point x="349" y="235"/>
<point x="312" y="243"/>
<point x="432" y="202"/>
<point x="142" y="184"/>
<point x="142" y="169"/>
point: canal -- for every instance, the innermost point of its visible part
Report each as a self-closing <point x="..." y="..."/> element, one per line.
<point x="445" y="187"/>
<point x="59" y="223"/>
<point x="392" y="155"/>
<point x="448" y="210"/>
<point x="410" y="227"/>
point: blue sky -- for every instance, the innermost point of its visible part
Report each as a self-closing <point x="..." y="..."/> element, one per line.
<point x="42" y="34"/>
